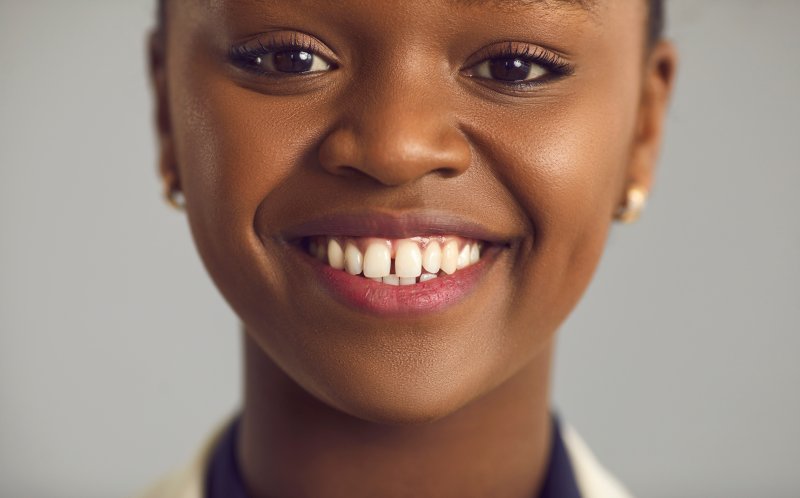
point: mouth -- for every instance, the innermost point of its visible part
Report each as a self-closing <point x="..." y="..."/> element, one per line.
<point x="395" y="265"/>
<point x="396" y="262"/>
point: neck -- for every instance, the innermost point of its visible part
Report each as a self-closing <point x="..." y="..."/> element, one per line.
<point x="291" y="444"/>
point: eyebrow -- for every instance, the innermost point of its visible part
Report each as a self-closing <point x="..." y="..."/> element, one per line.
<point x="506" y="4"/>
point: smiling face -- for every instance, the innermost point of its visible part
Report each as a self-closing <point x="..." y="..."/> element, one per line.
<point x="388" y="129"/>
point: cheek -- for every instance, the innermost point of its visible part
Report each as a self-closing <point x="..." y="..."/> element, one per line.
<point x="236" y="147"/>
<point x="564" y="166"/>
<point x="236" y="150"/>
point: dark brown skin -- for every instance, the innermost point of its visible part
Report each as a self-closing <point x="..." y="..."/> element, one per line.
<point x="452" y="404"/>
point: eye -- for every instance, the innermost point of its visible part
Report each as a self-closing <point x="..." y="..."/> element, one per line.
<point x="510" y="69"/>
<point x="291" y="61"/>
<point x="519" y="65"/>
<point x="281" y="54"/>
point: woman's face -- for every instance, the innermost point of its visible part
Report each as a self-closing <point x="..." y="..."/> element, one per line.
<point x="391" y="127"/>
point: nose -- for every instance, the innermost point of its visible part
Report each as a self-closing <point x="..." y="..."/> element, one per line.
<point x="396" y="135"/>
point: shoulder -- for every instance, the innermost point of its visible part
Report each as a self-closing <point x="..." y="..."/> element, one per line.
<point x="594" y="480"/>
<point x="188" y="481"/>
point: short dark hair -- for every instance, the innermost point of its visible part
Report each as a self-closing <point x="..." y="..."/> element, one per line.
<point x="655" y="20"/>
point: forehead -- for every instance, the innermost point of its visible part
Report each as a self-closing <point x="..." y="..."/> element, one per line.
<point x="560" y="17"/>
<point x="586" y="5"/>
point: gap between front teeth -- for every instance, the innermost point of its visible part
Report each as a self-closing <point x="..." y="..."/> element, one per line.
<point x="397" y="262"/>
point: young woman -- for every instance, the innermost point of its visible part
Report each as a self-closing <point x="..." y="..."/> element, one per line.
<point x="402" y="201"/>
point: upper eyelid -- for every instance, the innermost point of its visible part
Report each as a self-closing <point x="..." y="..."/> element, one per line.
<point x="289" y="38"/>
<point x="281" y="39"/>
<point x="551" y="60"/>
<point x="548" y="58"/>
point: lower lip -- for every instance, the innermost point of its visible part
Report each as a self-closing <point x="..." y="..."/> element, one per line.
<point x="382" y="299"/>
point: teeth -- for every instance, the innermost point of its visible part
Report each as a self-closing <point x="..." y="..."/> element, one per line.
<point x="450" y="257"/>
<point x="335" y="255"/>
<point x="378" y="260"/>
<point x="411" y="263"/>
<point x="353" y="260"/>
<point x="432" y="257"/>
<point x="475" y="254"/>
<point x="408" y="260"/>
<point x="463" y="257"/>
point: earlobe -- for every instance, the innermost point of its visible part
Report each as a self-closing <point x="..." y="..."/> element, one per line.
<point x="657" y="85"/>
<point x="167" y="164"/>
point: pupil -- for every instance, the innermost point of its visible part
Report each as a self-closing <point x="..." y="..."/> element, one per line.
<point x="509" y="69"/>
<point x="293" y="61"/>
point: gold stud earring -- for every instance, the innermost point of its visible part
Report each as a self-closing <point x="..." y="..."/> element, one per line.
<point x="635" y="200"/>
<point x="173" y="194"/>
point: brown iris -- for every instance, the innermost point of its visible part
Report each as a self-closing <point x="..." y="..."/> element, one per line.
<point x="293" y="61"/>
<point x="509" y="69"/>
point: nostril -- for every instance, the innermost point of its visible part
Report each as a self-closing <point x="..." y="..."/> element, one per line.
<point x="401" y="147"/>
<point x="447" y="172"/>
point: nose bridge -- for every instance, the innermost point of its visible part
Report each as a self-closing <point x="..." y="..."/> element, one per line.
<point x="400" y="129"/>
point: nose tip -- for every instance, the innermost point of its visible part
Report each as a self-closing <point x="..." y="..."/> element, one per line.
<point x="396" y="128"/>
<point x="394" y="153"/>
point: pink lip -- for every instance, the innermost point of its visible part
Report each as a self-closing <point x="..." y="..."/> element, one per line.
<point x="405" y="300"/>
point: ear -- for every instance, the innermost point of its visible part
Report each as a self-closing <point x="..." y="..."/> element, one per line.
<point x="167" y="164"/>
<point x="657" y="85"/>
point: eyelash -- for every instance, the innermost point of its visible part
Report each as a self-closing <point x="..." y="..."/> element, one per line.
<point x="556" y="66"/>
<point x="246" y="55"/>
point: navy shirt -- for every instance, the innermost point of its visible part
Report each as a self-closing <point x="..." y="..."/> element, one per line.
<point x="224" y="480"/>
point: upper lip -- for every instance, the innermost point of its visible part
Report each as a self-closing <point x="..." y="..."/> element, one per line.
<point x="394" y="226"/>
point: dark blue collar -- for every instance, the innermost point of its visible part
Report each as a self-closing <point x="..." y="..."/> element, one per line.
<point x="223" y="479"/>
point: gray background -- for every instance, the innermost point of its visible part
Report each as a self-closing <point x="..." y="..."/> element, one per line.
<point x="117" y="355"/>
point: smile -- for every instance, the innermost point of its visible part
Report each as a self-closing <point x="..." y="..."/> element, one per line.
<point x="384" y="264"/>
<point x="396" y="261"/>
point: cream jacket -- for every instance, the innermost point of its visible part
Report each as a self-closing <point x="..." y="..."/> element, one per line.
<point x="593" y="480"/>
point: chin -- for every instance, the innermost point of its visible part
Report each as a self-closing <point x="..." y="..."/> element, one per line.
<point x="401" y="407"/>
<point x="416" y="395"/>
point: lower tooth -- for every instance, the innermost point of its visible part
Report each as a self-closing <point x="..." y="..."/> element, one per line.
<point x="408" y="280"/>
<point x="377" y="279"/>
<point x="391" y="280"/>
<point x="427" y="276"/>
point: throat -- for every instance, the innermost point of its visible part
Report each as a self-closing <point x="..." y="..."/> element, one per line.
<point x="293" y="444"/>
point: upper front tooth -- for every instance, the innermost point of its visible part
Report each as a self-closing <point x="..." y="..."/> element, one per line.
<point x="463" y="257"/>
<point x="353" y="260"/>
<point x="408" y="259"/>
<point x="377" y="260"/>
<point x="432" y="257"/>
<point x="450" y="257"/>
<point x="475" y="254"/>
<point x="335" y="255"/>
